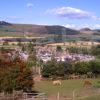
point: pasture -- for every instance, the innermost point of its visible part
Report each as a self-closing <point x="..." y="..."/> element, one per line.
<point x="66" y="88"/>
<point x="97" y="97"/>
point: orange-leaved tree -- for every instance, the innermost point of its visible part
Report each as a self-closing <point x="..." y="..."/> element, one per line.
<point x="15" y="75"/>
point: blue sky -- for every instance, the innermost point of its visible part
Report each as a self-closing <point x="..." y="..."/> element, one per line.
<point x="69" y="13"/>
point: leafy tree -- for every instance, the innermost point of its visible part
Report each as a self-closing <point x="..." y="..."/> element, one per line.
<point x="2" y="49"/>
<point x="68" y="67"/>
<point x="49" y="69"/>
<point x="15" y="76"/>
<point x="34" y="41"/>
<point x="31" y="48"/>
<point x="95" y="50"/>
<point x="82" y="67"/>
<point x="56" y="69"/>
<point x="95" y="67"/>
<point x="59" y="48"/>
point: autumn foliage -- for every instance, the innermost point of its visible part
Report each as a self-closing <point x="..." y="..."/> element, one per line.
<point x="14" y="75"/>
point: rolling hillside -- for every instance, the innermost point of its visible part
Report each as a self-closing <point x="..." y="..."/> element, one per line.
<point x="8" y="29"/>
<point x="59" y="33"/>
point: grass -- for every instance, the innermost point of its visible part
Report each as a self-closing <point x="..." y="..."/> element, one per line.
<point x="67" y="86"/>
<point x="97" y="97"/>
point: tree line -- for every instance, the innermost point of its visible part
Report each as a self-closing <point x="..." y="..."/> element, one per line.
<point x="56" y="69"/>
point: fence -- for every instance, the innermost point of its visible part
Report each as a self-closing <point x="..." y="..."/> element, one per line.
<point x="76" y="94"/>
<point x="23" y="96"/>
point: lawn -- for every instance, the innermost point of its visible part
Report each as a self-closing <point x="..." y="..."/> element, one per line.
<point x="67" y="86"/>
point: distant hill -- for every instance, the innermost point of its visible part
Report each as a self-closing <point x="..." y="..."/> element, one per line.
<point x="55" y="29"/>
<point x="8" y="29"/>
<point x="85" y="29"/>
<point x="59" y="33"/>
<point x="4" y="23"/>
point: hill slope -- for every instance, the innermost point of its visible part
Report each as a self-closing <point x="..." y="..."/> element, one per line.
<point x="8" y="29"/>
<point x="59" y="33"/>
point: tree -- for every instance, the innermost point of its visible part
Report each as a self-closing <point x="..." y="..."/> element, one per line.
<point x="15" y="76"/>
<point x="2" y="49"/>
<point x="82" y="67"/>
<point x="59" y="48"/>
<point x="31" y="48"/>
<point x="49" y="69"/>
<point x="95" y="50"/>
<point x="56" y="69"/>
<point x="68" y="67"/>
<point x="95" y="67"/>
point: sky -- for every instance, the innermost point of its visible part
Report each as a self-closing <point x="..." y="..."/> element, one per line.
<point x="69" y="13"/>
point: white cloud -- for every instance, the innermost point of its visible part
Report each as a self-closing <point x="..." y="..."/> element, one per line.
<point x="70" y="12"/>
<point x="74" y="26"/>
<point x="96" y="26"/>
<point x="91" y="26"/>
<point x="96" y="18"/>
<point x="70" y="26"/>
<point x="29" y="5"/>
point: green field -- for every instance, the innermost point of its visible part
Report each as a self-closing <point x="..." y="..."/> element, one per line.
<point x="97" y="97"/>
<point x="67" y="87"/>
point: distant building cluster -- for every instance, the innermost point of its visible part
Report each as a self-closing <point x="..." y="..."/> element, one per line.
<point x="45" y="55"/>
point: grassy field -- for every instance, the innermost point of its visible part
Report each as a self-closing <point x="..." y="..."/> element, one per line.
<point x="66" y="88"/>
<point x="97" y="97"/>
<point x="67" y="85"/>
